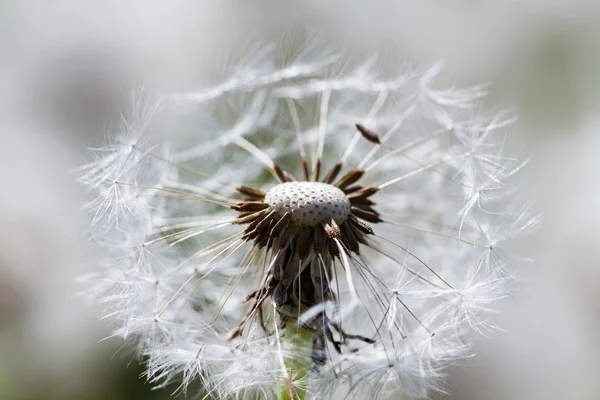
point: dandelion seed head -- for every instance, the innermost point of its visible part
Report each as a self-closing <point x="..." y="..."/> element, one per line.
<point x="224" y="247"/>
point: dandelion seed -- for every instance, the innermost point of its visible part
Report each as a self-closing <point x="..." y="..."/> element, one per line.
<point x="328" y="232"/>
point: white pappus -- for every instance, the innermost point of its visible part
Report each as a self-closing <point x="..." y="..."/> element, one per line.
<point x="313" y="227"/>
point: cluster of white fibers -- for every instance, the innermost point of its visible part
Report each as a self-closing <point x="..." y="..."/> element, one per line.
<point x="391" y="312"/>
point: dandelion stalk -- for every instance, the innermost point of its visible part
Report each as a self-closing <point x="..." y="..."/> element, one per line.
<point x="299" y="342"/>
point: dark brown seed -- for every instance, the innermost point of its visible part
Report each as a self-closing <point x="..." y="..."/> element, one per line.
<point x="351" y="177"/>
<point x="360" y="198"/>
<point x="367" y="208"/>
<point x="353" y="189"/>
<point x="362" y="202"/>
<point x="362" y="226"/>
<point x="316" y="171"/>
<point x="358" y="234"/>
<point x="305" y="172"/>
<point x="246" y="219"/>
<point x="251" y="191"/>
<point x="333" y="173"/>
<point x="370" y="216"/>
<point x="280" y="172"/>
<point x="365" y="192"/>
<point x="368" y="134"/>
<point x="250" y="206"/>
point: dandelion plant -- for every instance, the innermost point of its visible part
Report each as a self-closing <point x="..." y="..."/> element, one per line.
<point x="303" y="227"/>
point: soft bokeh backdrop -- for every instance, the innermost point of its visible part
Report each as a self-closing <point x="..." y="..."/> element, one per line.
<point x="63" y="72"/>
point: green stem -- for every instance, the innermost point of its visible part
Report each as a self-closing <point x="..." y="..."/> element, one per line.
<point x="299" y="343"/>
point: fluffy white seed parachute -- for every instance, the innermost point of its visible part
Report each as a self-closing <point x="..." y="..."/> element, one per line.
<point x="304" y="191"/>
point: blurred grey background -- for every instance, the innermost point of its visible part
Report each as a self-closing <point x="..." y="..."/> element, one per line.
<point x="65" y="66"/>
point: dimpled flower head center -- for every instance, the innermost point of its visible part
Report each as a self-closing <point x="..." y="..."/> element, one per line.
<point x="309" y="203"/>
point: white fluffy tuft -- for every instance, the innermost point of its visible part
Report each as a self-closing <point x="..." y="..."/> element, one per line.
<point x="176" y="273"/>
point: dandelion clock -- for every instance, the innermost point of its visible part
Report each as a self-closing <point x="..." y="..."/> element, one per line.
<point x="303" y="226"/>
